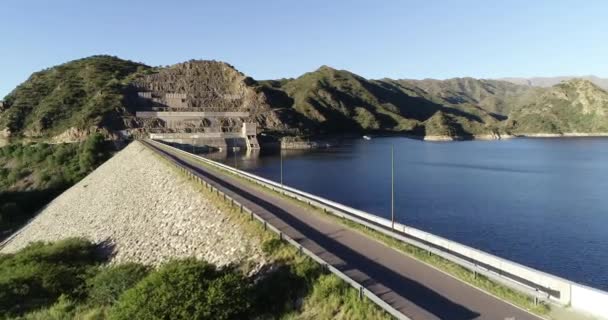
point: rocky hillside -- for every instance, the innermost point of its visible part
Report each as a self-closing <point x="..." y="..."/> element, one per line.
<point x="573" y="106"/>
<point x="216" y="86"/>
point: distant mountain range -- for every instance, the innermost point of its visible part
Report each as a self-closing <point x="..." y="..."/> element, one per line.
<point x="551" y="81"/>
<point x="69" y="101"/>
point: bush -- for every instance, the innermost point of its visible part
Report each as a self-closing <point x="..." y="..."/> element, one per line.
<point x="185" y="289"/>
<point x="278" y="292"/>
<point x="37" y="275"/>
<point x="107" y="285"/>
<point x="92" y="152"/>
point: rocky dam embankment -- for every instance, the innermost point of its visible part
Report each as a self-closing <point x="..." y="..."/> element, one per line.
<point x="143" y="211"/>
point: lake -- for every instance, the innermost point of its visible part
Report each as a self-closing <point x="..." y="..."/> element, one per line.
<point x="539" y="202"/>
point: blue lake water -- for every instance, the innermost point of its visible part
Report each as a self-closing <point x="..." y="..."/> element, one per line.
<point x="540" y="202"/>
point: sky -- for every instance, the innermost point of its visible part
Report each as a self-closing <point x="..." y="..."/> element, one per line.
<point x="284" y="38"/>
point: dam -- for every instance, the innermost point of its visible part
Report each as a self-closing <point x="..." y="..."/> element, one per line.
<point x="170" y="119"/>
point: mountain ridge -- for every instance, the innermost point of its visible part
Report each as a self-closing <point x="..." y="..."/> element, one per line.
<point x="95" y="94"/>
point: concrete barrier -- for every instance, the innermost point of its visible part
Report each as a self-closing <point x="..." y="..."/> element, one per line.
<point x="530" y="281"/>
<point x="589" y="299"/>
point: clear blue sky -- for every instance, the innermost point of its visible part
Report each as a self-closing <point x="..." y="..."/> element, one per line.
<point x="283" y="38"/>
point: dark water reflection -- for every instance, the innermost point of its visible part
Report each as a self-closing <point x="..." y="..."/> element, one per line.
<point x="540" y="202"/>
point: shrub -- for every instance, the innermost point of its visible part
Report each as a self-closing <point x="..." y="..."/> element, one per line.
<point x="185" y="289"/>
<point x="92" y="152"/>
<point x="279" y="291"/>
<point x="38" y="274"/>
<point x="107" y="285"/>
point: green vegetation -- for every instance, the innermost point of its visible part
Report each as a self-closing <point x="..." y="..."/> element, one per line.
<point x="33" y="174"/>
<point x="39" y="274"/>
<point x="572" y="106"/>
<point x="109" y="283"/>
<point x="337" y="101"/>
<point x="186" y="289"/>
<point x="80" y="94"/>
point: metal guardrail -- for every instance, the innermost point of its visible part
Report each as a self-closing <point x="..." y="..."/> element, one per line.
<point x="363" y="292"/>
<point x="361" y="218"/>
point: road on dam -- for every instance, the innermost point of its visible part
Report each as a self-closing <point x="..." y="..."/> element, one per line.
<point x="410" y="286"/>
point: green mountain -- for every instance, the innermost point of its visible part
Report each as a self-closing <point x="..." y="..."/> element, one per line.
<point x="573" y="106"/>
<point x="497" y="97"/>
<point x="79" y="94"/>
<point x="339" y="101"/>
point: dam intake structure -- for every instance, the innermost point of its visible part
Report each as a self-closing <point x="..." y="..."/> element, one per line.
<point x="203" y="104"/>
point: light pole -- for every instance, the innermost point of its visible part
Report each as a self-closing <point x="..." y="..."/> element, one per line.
<point x="234" y="151"/>
<point x="392" y="187"/>
<point x="280" y="152"/>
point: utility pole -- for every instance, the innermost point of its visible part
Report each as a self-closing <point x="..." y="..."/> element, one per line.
<point x="281" y="151"/>
<point x="392" y="187"/>
<point x="235" y="165"/>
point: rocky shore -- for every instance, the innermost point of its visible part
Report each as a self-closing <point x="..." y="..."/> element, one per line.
<point x="142" y="211"/>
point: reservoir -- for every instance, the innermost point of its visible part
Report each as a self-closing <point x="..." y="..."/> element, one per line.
<point x="540" y="202"/>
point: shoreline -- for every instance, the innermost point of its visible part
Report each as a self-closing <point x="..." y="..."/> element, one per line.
<point x="324" y="143"/>
<point x="487" y="137"/>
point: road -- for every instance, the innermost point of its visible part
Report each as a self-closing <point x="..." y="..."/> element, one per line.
<point x="410" y="286"/>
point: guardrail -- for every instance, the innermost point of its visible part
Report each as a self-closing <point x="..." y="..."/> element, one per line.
<point x="363" y="292"/>
<point x="535" y="283"/>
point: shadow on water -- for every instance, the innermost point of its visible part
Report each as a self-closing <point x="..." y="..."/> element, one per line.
<point x="474" y="167"/>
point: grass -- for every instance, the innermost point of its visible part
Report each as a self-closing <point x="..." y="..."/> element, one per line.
<point x="517" y="298"/>
<point x="306" y="290"/>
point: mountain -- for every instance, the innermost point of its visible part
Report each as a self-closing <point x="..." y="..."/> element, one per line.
<point x="79" y="94"/>
<point x="573" y="106"/>
<point x="102" y="93"/>
<point x="551" y="81"/>
<point x="494" y="96"/>
<point x="340" y="101"/>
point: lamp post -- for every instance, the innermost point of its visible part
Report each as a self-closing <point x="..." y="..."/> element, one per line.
<point x="392" y="187"/>
<point x="235" y="163"/>
<point x="280" y="152"/>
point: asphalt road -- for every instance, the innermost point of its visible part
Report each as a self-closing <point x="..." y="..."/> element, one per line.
<point x="410" y="286"/>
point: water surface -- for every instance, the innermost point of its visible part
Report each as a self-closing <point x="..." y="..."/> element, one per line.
<point x="540" y="202"/>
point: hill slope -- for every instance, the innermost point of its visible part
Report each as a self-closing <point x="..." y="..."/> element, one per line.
<point x="339" y="101"/>
<point x="79" y="94"/>
<point x="551" y="81"/>
<point x="497" y="97"/>
<point x="573" y="106"/>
